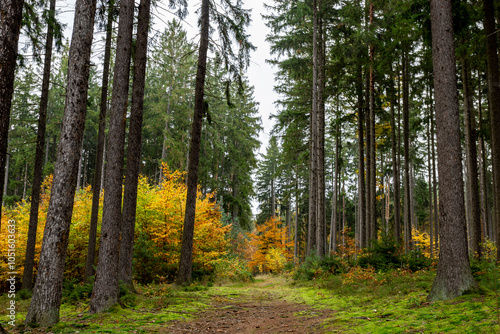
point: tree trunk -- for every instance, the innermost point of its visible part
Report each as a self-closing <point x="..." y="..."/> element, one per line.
<point x="482" y="168"/>
<point x="6" y="181"/>
<point x="101" y="135"/>
<point x="494" y="106"/>
<point x="372" y="166"/>
<point x="38" y="168"/>
<point x="454" y="276"/>
<point x="320" y="209"/>
<point x="296" y="240"/>
<point x="185" y="262"/>
<point x="429" y="169"/>
<point x="106" y="291"/>
<point x="472" y="169"/>
<point x="47" y="293"/>
<point x="395" y="164"/>
<point x="361" y="162"/>
<point x="10" y="26"/>
<point x="134" y="146"/>
<point x="406" y="132"/>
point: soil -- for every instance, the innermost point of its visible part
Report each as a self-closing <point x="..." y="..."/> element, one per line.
<point x="262" y="311"/>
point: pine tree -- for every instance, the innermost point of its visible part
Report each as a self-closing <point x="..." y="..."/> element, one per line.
<point x="47" y="293"/>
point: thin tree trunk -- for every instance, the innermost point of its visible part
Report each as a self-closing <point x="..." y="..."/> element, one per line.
<point x="494" y="106"/>
<point x="134" y="146"/>
<point x="185" y="262"/>
<point x="434" y="184"/>
<point x="99" y="164"/>
<point x="368" y="169"/>
<point x="373" y="176"/>
<point x="39" y="153"/>
<point x="47" y="293"/>
<point x="361" y="162"/>
<point x="429" y="169"/>
<point x="472" y="169"/>
<point x="406" y="131"/>
<point x="483" y="170"/>
<point x="454" y="275"/>
<point x="395" y="164"/>
<point x="296" y="241"/>
<point x="321" y="220"/>
<point x="6" y="180"/>
<point x="9" y="36"/>
<point x="106" y="291"/>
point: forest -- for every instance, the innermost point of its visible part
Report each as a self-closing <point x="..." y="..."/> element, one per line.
<point x="138" y="195"/>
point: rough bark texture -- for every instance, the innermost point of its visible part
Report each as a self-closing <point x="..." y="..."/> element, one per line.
<point x="373" y="176"/>
<point x="44" y="306"/>
<point x="101" y="135"/>
<point x="134" y="146"/>
<point x="10" y="25"/>
<point x="472" y="169"/>
<point x="361" y="162"/>
<point x="106" y="291"/>
<point x="454" y="276"/>
<point x="321" y="199"/>
<point x="186" y="257"/>
<point x="313" y="149"/>
<point x="395" y="166"/>
<point x="406" y="132"/>
<point x="494" y="106"/>
<point x="39" y="153"/>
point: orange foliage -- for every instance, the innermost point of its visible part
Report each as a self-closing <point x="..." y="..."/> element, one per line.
<point x="271" y="248"/>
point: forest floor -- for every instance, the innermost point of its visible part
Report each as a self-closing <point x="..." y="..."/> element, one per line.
<point x="385" y="303"/>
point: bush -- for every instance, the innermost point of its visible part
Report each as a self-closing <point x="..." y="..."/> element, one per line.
<point x="74" y="292"/>
<point x="382" y="256"/>
<point x="313" y="266"/>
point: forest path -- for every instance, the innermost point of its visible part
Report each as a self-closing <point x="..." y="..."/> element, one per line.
<point x="267" y="306"/>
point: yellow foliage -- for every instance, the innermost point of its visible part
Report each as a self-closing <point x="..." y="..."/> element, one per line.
<point x="422" y="241"/>
<point x="159" y="223"/>
<point x="271" y="248"/>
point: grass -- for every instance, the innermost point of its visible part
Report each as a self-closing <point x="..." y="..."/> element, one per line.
<point x="359" y="302"/>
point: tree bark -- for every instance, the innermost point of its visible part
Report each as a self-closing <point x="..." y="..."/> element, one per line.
<point x="395" y="164"/>
<point x="10" y="26"/>
<point x="134" y="146"/>
<point x="39" y="153"/>
<point x="494" y="106"/>
<point x="472" y="169"/>
<point x="47" y="293"/>
<point x="406" y="132"/>
<point x="361" y="162"/>
<point x="373" y="175"/>
<point x="454" y="276"/>
<point x="313" y="149"/>
<point x="320" y="209"/>
<point x="106" y="290"/>
<point x="185" y="261"/>
<point x="101" y="136"/>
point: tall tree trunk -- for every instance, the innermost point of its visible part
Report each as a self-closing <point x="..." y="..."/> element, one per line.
<point x="106" y="291"/>
<point x="312" y="242"/>
<point x="494" y="106"/>
<point x="373" y="176"/>
<point x="47" y="293"/>
<point x="454" y="276"/>
<point x="101" y="136"/>
<point x="361" y="162"/>
<point x="185" y="262"/>
<point x="406" y="132"/>
<point x="134" y="146"/>
<point x="10" y="26"/>
<point x="368" y="168"/>
<point x="472" y="169"/>
<point x="429" y="169"/>
<point x="321" y="220"/>
<point x="482" y="168"/>
<point x="38" y="168"/>
<point x="434" y="183"/>
<point x="296" y="238"/>
<point x="395" y="164"/>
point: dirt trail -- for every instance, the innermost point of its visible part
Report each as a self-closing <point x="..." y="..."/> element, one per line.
<point x="261" y="310"/>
